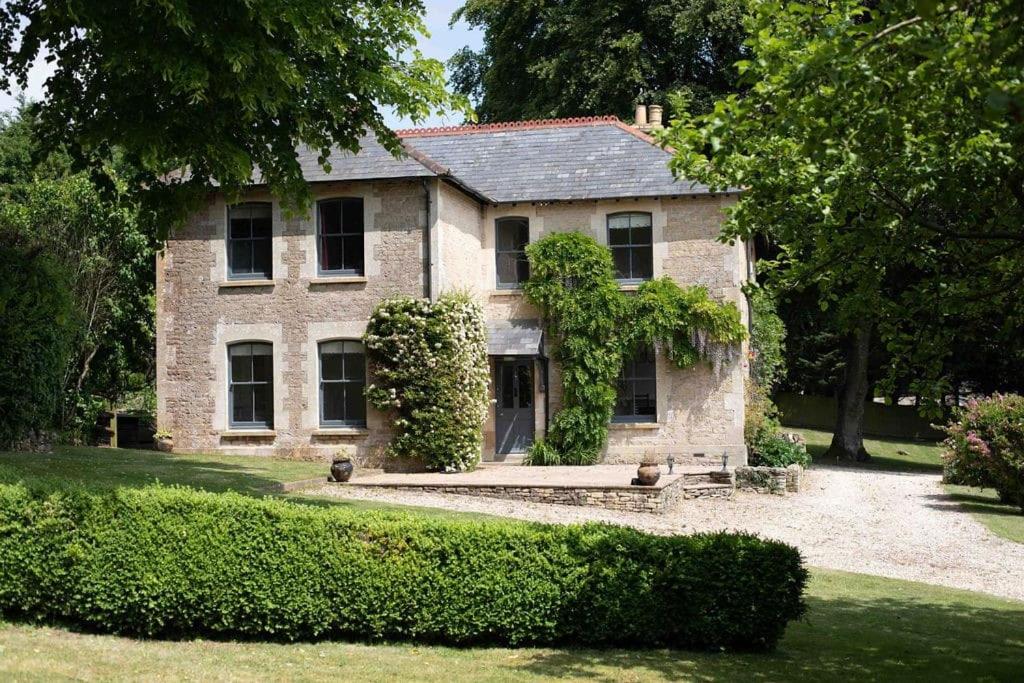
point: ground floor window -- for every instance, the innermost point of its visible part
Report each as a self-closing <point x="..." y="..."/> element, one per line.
<point x="636" y="390"/>
<point x="251" y="385"/>
<point x="342" y="384"/>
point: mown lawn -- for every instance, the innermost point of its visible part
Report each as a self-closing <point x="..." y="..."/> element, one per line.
<point x="915" y="456"/>
<point x="858" y="628"/>
<point x="886" y="454"/>
<point x="1001" y="519"/>
<point x="108" y="468"/>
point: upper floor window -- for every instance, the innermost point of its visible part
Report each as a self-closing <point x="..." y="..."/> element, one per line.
<point x="629" y="237"/>
<point x="342" y="382"/>
<point x="249" y="241"/>
<point x="340" y="236"/>
<point x="636" y="390"/>
<point x="251" y="384"/>
<point x="511" y="235"/>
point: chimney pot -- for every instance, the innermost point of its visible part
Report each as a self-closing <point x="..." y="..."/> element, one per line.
<point x="655" y="111"/>
<point x="640" y="119"/>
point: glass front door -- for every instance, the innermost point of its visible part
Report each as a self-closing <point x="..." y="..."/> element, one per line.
<point x="514" y="417"/>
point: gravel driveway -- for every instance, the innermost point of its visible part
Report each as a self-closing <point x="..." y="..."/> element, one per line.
<point x="898" y="525"/>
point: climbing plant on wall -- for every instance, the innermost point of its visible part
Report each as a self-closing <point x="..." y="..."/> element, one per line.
<point x="429" y="365"/>
<point x="592" y="325"/>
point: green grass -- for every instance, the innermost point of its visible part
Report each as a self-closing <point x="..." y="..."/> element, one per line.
<point x="102" y="469"/>
<point x="886" y="454"/>
<point x="891" y="455"/>
<point x="1001" y="519"/>
<point x="858" y="628"/>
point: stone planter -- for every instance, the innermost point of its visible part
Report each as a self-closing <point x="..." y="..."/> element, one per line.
<point x="164" y="444"/>
<point x="341" y="469"/>
<point x="647" y="474"/>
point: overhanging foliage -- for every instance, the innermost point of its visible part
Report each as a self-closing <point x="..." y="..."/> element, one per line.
<point x="592" y="325"/>
<point x="221" y="88"/>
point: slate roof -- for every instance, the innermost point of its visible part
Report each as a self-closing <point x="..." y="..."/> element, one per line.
<point x="514" y="338"/>
<point x="372" y="162"/>
<point x="547" y="160"/>
<point x="592" y="158"/>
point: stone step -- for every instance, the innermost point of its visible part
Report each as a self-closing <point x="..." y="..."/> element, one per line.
<point x="691" y="491"/>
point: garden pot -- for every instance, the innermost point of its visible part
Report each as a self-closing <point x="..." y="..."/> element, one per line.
<point x="648" y="474"/>
<point x="164" y="444"/>
<point x="341" y="469"/>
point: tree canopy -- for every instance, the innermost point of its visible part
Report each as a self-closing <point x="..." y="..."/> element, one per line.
<point x="550" y="58"/>
<point x="220" y="88"/>
<point x="96" y="251"/>
<point x="880" y="145"/>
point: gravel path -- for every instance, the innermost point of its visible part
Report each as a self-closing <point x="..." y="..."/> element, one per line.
<point x="897" y="525"/>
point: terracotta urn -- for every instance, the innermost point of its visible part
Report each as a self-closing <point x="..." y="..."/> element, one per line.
<point x="164" y="444"/>
<point x="648" y="474"/>
<point x="341" y="469"/>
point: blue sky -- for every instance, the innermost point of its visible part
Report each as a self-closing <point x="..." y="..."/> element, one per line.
<point x="442" y="44"/>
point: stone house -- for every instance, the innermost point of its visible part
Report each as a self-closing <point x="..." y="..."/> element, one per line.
<point x="259" y="313"/>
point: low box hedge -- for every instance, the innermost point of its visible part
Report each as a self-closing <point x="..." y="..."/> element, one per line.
<point x="175" y="562"/>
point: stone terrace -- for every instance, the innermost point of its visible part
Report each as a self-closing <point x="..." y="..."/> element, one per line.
<point x="605" y="486"/>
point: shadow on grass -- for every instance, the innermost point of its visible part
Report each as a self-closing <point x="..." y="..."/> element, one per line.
<point x="369" y="505"/>
<point x="841" y="639"/>
<point x="885" y="457"/>
<point x="973" y="502"/>
<point x="105" y="469"/>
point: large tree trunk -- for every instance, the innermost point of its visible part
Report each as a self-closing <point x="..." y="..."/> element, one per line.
<point x="848" y="437"/>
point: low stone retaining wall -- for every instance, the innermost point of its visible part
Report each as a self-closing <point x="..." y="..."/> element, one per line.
<point x="653" y="499"/>
<point x="632" y="499"/>
<point x="777" y="480"/>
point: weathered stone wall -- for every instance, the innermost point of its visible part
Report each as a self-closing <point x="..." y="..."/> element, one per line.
<point x="626" y="499"/>
<point x="460" y="234"/>
<point x="777" y="480"/>
<point x="700" y="412"/>
<point x="199" y="313"/>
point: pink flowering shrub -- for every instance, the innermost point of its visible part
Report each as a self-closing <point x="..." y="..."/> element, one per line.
<point x="985" y="446"/>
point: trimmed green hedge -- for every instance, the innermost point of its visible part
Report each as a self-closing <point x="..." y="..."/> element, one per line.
<point x="176" y="562"/>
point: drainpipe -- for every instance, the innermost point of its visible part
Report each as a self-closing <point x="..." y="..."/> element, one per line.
<point x="426" y="239"/>
<point x="547" y="396"/>
<point x="547" y="386"/>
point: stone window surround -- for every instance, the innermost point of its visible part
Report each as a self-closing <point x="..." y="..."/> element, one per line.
<point x="339" y="424"/>
<point x="631" y="380"/>
<point x="517" y="286"/>
<point x="309" y="269"/>
<point x="628" y="281"/>
<point x="317" y="209"/>
<point x="316" y="333"/>
<point x="251" y="277"/>
<point x="219" y="243"/>
<point x="235" y="385"/>
<point x="227" y="334"/>
<point x="598" y="230"/>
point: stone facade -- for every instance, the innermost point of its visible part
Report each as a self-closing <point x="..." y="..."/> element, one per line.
<point x="700" y="413"/>
<point x="199" y="312"/>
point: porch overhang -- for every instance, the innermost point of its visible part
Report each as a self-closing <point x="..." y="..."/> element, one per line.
<point x="523" y="338"/>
